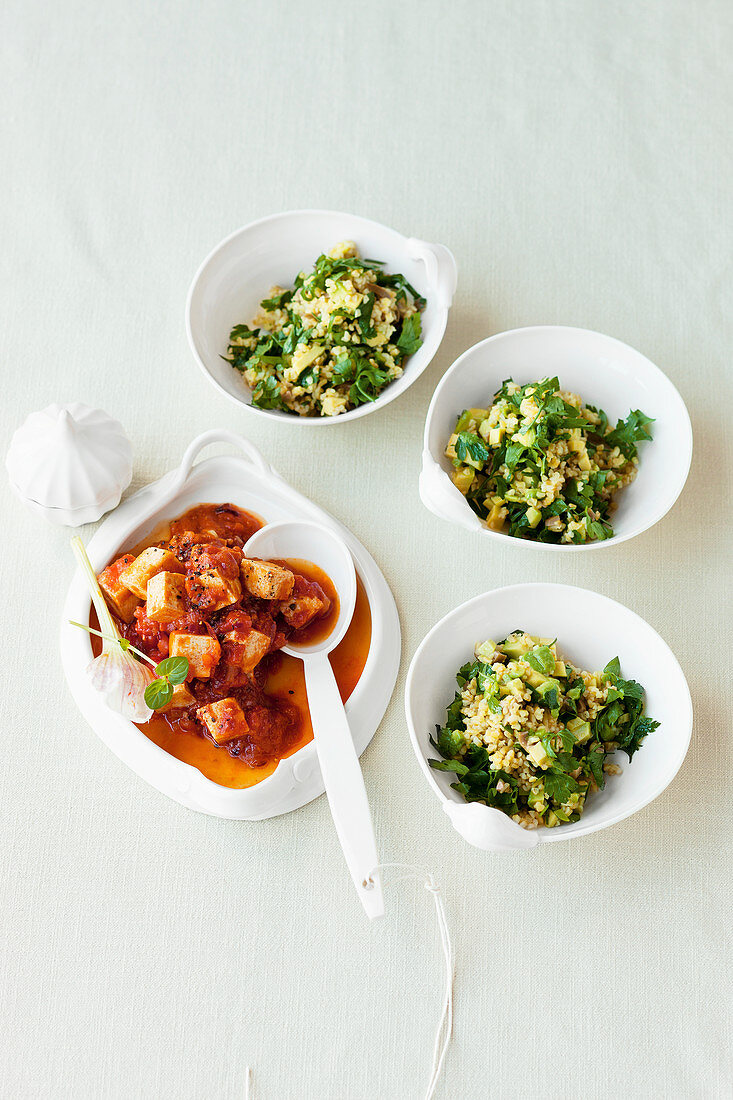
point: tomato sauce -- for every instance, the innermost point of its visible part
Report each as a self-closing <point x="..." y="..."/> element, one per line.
<point x="273" y="695"/>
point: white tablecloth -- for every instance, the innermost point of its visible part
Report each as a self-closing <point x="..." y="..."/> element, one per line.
<point x="576" y="158"/>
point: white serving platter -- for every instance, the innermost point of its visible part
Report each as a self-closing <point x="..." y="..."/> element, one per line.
<point x="248" y="481"/>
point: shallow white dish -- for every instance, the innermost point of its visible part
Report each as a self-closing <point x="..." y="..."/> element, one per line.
<point x="607" y="374"/>
<point x="233" y="279"/>
<point x="591" y="629"/>
<point x="250" y="482"/>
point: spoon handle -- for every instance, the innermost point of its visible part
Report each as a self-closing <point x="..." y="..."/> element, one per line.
<point x="344" y="782"/>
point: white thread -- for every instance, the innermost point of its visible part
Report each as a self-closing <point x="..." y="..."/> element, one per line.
<point x="445" y="1024"/>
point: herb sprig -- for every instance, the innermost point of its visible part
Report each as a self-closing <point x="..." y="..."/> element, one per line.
<point x="168" y="672"/>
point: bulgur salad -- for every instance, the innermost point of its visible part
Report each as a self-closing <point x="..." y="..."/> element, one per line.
<point x="528" y="732"/>
<point x="542" y="465"/>
<point x="333" y="341"/>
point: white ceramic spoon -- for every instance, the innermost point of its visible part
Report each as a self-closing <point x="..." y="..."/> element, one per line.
<point x="337" y="756"/>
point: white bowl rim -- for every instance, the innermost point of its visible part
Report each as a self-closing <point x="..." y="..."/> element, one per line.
<point x="686" y="442"/>
<point x="384" y="398"/>
<point x="549" y="835"/>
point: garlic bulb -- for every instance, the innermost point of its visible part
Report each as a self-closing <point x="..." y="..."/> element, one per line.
<point x="70" y="463"/>
<point x="115" y="673"/>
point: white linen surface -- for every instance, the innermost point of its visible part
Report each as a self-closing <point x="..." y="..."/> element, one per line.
<point x="576" y="158"/>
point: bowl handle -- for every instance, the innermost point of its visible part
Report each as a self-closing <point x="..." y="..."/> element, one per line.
<point x="221" y="435"/>
<point x="440" y="266"/>
<point x="488" y="828"/>
<point x="442" y="498"/>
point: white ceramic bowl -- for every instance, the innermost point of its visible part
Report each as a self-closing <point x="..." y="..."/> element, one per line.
<point x="234" y="278"/>
<point x="591" y="630"/>
<point x="607" y="374"/>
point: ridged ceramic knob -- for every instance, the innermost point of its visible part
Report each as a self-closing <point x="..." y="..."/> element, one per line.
<point x="70" y="463"/>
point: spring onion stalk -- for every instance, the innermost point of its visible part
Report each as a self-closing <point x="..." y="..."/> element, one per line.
<point x="115" y="673"/>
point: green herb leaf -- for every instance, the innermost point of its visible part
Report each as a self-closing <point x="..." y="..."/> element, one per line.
<point x="613" y="668"/>
<point x="468" y="443"/>
<point x="278" y="301"/>
<point x="559" y="786"/>
<point x="449" y="766"/>
<point x="541" y="659"/>
<point x="629" y="432"/>
<point x="158" y="693"/>
<point x="365" y="316"/>
<point x="410" y="339"/>
<point x="174" y="669"/>
<point x="266" y="394"/>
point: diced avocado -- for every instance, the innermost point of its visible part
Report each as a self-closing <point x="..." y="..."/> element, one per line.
<point x="584" y="461"/>
<point x="559" y="669"/>
<point x="477" y="463"/>
<point x="547" y="687"/>
<point x="484" y="651"/>
<point x="464" y="420"/>
<point x="536" y="751"/>
<point x="463" y="477"/>
<point x="536" y="799"/>
<point x="552" y="820"/>
<point x="535" y="679"/>
<point x="579" y="729"/>
<point x="485" y="430"/>
<point x="495" y="437"/>
<point x="515" y="647"/>
<point x="525" y="438"/>
<point x="496" y="517"/>
<point x="533" y="516"/>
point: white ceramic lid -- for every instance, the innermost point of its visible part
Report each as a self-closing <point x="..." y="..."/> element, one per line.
<point x="70" y="457"/>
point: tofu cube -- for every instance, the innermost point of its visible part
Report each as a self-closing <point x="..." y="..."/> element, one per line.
<point x="203" y="653"/>
<point x="209" y="590"/>
<point x="265" y="580"/>
<point x="246" y="650"/>
<point x="301" y="610"/>
<point x="166" y="597"/>
<point x="181" y="698"/>
<point x="120" y="599"/>
<point x="224" y="720"/>
<point x="146" y="565"/>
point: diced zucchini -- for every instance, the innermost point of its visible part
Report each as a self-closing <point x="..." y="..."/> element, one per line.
<point x="496" y="517"/>
<point x="468" y="415"/>
<point x="538" y="755"/>
<point x="484" y="651"/>
<point x="463" y="477"/>
<point x="515" y="648"/>
<point x="535" y="679"/>
<point x="579" y="729"/>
